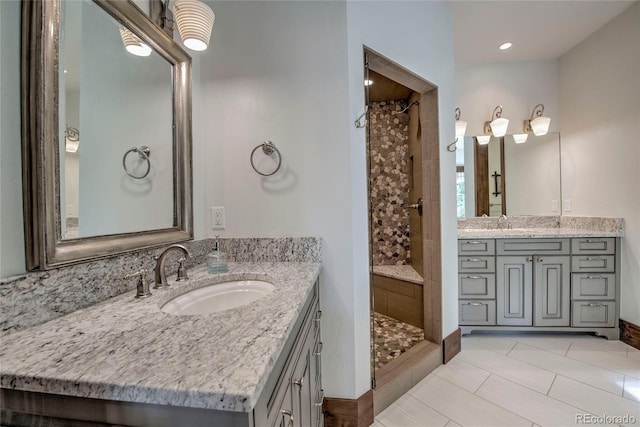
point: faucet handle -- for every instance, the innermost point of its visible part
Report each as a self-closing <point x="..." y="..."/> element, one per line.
<point x="142" y="287"/>
<point x="182" y="270"/>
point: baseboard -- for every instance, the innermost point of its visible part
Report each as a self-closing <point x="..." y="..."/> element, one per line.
<point x="348" y="412"/>
<point x="630" y="334"/>
<point x="451" y="345"/>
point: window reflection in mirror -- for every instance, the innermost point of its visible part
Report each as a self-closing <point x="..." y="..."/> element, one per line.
<point x="526" y="177"/>
<point x="116" y="101"/>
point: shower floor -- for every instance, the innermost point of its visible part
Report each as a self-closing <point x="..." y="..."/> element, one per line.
<point x="393" y="337"/>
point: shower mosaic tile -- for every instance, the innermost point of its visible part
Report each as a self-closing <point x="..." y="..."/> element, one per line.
<point x="389" y="182"/>
<point x="393" y="337"/>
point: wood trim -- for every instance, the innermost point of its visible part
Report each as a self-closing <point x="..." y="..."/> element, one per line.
<point x="630" y="334"/>
<point x="481" y="178"/>
<point x="451" y="345"/>
<point x="348" y="412"/>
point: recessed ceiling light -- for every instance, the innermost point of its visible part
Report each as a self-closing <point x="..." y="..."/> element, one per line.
<point x="368" y="82"/>
<point x="505" y="46"/>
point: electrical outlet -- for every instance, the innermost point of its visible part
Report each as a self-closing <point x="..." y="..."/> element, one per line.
<point x="554" y="206"/>
<point x="217" y="218"/>
<point x="567" y="205"/>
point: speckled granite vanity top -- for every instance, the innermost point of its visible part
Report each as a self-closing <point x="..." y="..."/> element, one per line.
<point x="523" y="227"/>
<point x="128" y="350"/>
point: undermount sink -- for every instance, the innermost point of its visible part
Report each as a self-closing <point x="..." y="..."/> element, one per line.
<point x="218" y="297"/>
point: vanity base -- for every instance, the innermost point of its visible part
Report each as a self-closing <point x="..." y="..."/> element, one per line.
<point x="609" y="333"/>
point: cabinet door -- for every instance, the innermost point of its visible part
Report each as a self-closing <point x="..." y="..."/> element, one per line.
<point x="552" y="285"/>
<point x="514" y="290"/>
<point x="285" y="416"/>
<point x="302" y="394"/>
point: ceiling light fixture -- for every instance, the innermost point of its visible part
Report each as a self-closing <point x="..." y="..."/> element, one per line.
<point x="520" y="138"/>
<point x="505" y="45"/>
<point x="133" y="44"/>
<point x="498" y="124"/>
<point x="540" y="125"/>
<point x="193" y="18"/>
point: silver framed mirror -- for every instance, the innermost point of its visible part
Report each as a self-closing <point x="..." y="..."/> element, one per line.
<point x="165" y="166"/>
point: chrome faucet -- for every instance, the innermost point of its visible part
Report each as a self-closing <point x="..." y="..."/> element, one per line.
<point x="161" y="274"/>
<point x="500" y="221"/>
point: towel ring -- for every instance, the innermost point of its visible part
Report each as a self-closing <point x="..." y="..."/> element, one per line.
<point x="144" y="152"/>
<point x="268" y="148"/>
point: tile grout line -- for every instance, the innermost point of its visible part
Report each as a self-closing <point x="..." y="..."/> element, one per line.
<point x="488" y="401"/>
<point x="434" y="409"/>
<point x="552" y="383"/>
<point x="485" y="380"/>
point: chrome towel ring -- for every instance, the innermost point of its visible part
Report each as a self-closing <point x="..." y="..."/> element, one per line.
<point x="268" y="148"/>
<point x="144" y="152"/>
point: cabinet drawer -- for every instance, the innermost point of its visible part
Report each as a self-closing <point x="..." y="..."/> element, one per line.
<point x="477" y="264"/>
<point x="593" y="314"/>
<point x="593" y="286"/>
<point x="593" y="245"/>
<point x="476" y="247"/>
<point x="477" y="312"/>
<point x="532" y="246"/>
<point x="593" y="263"/>
<point x="477" y="286"/>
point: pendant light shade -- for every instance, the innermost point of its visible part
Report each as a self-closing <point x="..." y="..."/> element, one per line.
<point x="133" y="44"/>
<point x="195" y="22"/>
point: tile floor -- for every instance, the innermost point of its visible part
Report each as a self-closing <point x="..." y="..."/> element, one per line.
<point x="526" y="380"/>
<point x="393" y="338"/>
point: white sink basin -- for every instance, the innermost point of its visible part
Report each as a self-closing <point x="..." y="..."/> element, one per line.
<point x="218" y="297"/>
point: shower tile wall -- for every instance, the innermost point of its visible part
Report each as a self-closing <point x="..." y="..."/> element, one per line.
<point x="389" y="183"/>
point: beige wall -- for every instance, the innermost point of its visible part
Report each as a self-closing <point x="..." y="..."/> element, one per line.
<point x="599" y="103"/>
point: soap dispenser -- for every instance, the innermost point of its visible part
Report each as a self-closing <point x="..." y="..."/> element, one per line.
<point x="217" y="260"/>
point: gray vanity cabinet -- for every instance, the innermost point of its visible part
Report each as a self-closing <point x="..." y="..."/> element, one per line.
<point x="551" y="284"/>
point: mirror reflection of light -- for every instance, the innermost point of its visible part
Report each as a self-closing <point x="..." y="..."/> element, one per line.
<point x="520" y="138"/>
<point x="139" y="49"/>
<point x="368" y="82"/>
<point x="483" y="139"/>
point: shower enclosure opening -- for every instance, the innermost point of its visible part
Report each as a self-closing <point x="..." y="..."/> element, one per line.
<point x="395" y="214"/>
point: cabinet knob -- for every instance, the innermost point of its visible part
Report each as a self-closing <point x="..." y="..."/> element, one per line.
<point x="529" y="259"/>
<point x="300" y="382"/>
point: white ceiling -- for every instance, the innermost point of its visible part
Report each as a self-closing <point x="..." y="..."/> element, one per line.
<point x="538" y="29"/>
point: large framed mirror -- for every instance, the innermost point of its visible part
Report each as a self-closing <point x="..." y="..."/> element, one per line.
<point x="510" y="178"/>
<point x="106" y="133"/>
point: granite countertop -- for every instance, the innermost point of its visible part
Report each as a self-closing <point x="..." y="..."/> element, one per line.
<point x="128" y="350"/>
<point x="534" y="226"/>
<point x="401" y="272"/>
<point x="526" y="233"/>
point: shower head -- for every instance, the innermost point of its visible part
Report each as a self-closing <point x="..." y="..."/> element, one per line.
<point x="416" y="102"/>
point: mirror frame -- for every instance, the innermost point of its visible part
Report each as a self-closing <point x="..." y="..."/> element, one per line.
<point x="44" y="246"/>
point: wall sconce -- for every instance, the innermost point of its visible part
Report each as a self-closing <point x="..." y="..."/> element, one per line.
<point x="72" y="139"/>
<point x="461" y="128"/>
<point x="483" y="139"/>
<point x="520" y="138"/>
<point x="540" y="125"/>
<point x="498" y="126"/>
<point x="193" y="18"/>
<point x="133" y="44"/>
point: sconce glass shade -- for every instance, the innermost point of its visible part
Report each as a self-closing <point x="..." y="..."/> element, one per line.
<point x="483" y="139"/>
<point x="499" y="126"/>
<point x="133" y="44"/>
<point x="71" y="146"/>
<point x="520" y="138"/>
<point x="195" y="22"/>
<point x="540" y="125"/>
<point x="461" y="128"/>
